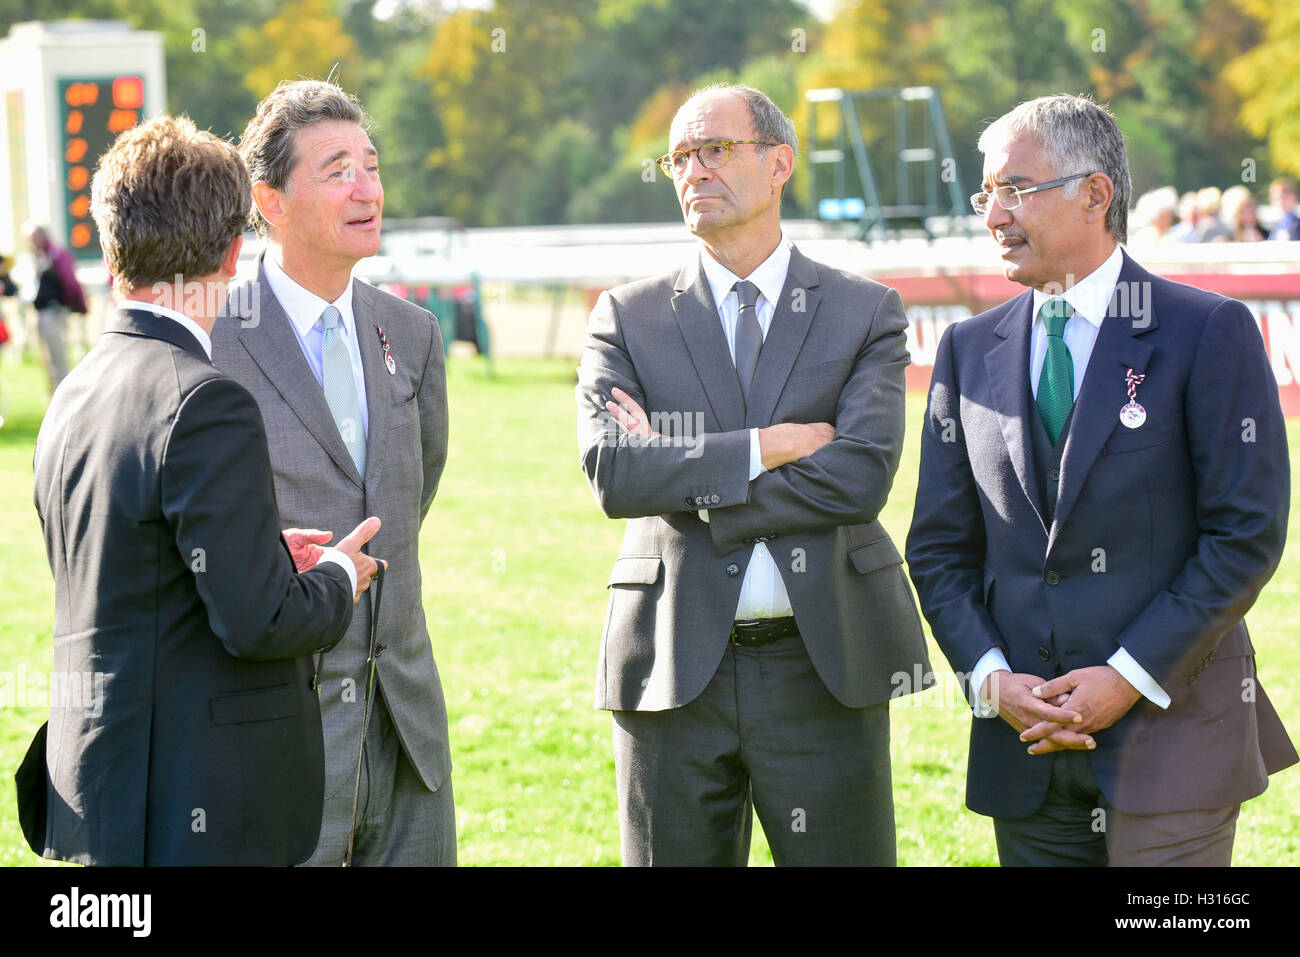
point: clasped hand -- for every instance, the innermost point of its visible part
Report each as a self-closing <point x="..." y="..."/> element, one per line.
<point x="1063" y="713"/>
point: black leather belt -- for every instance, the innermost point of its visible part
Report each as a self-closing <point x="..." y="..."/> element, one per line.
<point x="751" y="634"/>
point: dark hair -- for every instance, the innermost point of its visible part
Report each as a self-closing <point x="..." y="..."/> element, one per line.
<point x="268" y="145"/>
<point x="168" y="199"/>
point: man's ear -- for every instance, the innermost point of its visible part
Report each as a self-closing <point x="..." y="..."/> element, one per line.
<point x="230" y="262"/>
<point x="1099" y="192"/>
<point x="270" y="203"/>
<point x="782" y="165"/>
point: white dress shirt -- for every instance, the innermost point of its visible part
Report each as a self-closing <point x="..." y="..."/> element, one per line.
<point x="762" y="594"/>
<point x="304" y="311"/>
<point x="1090" y="299"/>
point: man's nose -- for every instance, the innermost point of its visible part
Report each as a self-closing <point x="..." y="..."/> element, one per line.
<point x="995" y="215"/>
<point x="695" y="170"/>
<point x="366" y="184"/>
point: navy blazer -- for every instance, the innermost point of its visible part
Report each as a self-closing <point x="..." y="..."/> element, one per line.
<point x="1161" y="539"/>
<point x="184" y="729"/>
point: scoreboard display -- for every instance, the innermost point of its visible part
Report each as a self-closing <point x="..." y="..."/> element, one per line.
<point x="94" y="112"/>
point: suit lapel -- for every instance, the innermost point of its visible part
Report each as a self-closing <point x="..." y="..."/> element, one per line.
<point x="790" y="322"/>
<point x="1007" y="364"/>
<point x="1103" y="393"/>
<point x="379" y="401"/>
<point x="273" y="346"/>
<point x="697" y="317"/>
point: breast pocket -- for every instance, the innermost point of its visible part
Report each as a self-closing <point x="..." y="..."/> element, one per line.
<point x="1133" y="440"/>
<point x="406" y="409"/>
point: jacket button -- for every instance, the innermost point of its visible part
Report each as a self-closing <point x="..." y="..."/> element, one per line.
<point x="714" y="499"/>
<point x="733" y="570"/>
<point x="1044" y="653"/>
<point x="689" y="501"/>
<point x="1052" y="578"/>
<point x="1054" y="475"/>
<point x="699" y="500"/>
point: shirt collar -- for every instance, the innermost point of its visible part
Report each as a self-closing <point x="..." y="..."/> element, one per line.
<point x="302" y="306"/>
<point x="769" y="277"/>
<point x="190" y="326"/>
<point x="1090" y="296"/>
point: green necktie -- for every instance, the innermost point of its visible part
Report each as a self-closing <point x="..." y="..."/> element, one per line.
<point x="1056" y="381"/>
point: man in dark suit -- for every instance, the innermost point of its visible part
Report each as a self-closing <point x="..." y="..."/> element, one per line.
<point x="351" y="385"/>
<point x="1103" y="493"/>
<point x="759" y="617"/>
<point x="183" y="725"/>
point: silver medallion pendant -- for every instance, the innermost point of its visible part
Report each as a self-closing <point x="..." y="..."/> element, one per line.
<point x="1133" y="415"/>
<point x="392" y="366"/>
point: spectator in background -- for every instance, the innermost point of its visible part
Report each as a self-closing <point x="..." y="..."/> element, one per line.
<point x="57" y="292"/>
<point x="1239" y="215"/>
<point x="1182" y="232"/>
<point x="1283" y="196"/>
<point x="1208" y="227"/>
<point x="1158" y="213"/>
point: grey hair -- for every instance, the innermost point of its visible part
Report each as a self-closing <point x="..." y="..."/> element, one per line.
<point x="1078" y="136"/>
<point x="268" y="141"/>
<point x="769" y="122"/>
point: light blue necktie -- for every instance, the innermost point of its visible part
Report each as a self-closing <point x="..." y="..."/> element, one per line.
<point x="749" y="335"/>
<point x="341" y="388"/>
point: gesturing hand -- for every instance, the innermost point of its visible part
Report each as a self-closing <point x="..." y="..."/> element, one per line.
<point x="305" y="545"/>
<point x="367" y="567"/>
<point x="1045" y="723"/>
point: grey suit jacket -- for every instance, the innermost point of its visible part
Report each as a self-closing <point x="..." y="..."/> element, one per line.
<point x="317" y="486"/>
<point x="835" y="352"/>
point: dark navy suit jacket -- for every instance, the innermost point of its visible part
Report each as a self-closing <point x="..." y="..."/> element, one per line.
<point x="183" y="725"/>
<point x="1161" y="539"/>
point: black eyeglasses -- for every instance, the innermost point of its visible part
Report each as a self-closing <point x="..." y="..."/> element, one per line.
<point x="713" y="155"/>
<point x="1009" y="197"/>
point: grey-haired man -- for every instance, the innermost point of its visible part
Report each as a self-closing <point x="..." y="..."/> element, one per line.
<point x="759" y="616"/>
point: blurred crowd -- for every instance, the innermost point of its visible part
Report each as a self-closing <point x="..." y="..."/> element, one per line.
<point x="1211" y="215"/>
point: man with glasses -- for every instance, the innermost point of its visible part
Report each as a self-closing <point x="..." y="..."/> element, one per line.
<point x="746" y="413"/>
<point x="1103" y="493"/>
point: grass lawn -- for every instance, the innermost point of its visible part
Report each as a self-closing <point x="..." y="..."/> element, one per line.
<point x="515" y="556"/>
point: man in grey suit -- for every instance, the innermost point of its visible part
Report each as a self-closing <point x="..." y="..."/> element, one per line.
<point x="759" y="618"/>
<point x="350" y="381"/>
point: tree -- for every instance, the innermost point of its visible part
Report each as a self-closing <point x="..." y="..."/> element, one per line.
<point x="1268" y="80"/>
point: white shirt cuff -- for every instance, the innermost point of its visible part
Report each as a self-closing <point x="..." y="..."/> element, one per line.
<point x="755" y="456"/>
<point x="993" y="660"/>
<point x="342" y="560"/>
<point x="1137" y="676"/>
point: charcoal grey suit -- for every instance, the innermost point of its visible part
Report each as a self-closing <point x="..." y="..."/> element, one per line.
<point x="835" y="352"/>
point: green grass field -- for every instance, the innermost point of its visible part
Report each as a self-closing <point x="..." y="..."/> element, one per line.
<point x="515" y="556"/>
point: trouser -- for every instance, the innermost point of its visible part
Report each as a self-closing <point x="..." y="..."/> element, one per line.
<point x="400" y="822"/>
<point x="1077" y="826"/>
<point x="765" y="735"/>
<point x="51" y="322"/>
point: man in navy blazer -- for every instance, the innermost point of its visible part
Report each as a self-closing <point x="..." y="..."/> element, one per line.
<point x="184" y="728"/>
<point x="1103" y="493"/>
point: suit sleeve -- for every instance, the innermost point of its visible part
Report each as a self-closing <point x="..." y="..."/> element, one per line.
<point x="846" y="481"/>
<point x="633" y="476"/>
<point x="1237" y="440"/>
<point x="218" y="497"/>
<point x="946" y="544"/>
<point x="433" y="417"/>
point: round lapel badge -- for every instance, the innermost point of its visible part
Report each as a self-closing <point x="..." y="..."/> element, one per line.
<point x="1133" y="415"/>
